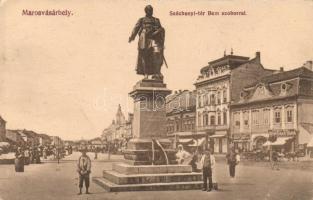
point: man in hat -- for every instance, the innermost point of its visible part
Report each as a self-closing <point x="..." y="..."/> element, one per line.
<point x="150" y="45"/>
<point x="232" y="160"/>
<point x="84" y="170"/>
<point x="207" y="161"/>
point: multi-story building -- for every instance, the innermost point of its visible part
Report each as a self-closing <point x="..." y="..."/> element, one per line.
<point x="280" y="104"/>
<point x="16" y="137"/>
<point x="181" y="120"/>
<point x="56" y="141"/>
<point x="44" y="139"/>
<point x="216" y="88"/>
<point x="2" y="129"/>
<point x="120" y="128"/>
<point x="180" y="112"/>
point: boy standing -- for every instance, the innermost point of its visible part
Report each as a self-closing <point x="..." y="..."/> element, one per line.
<point x="84" y="169"/>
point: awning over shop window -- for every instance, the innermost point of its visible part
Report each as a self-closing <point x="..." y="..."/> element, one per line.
<point x="186" y="134"/>
<point x="197" y="143"/>
<point x="185" y="140"/>
<point x="278" y="142"/>
<point x="219" y="134"/>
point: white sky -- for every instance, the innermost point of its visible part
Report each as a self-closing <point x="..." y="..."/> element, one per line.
<point x="66" y="75"/>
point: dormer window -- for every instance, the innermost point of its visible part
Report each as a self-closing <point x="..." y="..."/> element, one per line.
<point x="284" y="87"/>
<point x="242" y="94"/>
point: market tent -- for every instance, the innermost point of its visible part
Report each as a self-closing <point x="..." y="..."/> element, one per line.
<point x="280" y="141"/>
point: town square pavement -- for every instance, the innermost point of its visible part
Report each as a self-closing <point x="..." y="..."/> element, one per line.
<point x="51" y="180"/>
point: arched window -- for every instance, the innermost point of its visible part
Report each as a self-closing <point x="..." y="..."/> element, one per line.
<point x="212" y="120"/>
<point x="219" y="118"/>
<point x="224" y="95"/>
<point x="205" y="119"/>
<point x="199" y="119"/>
<point x="206" y="99"/>
<point x="225" y="117"/>
<point x="212" y="99"/>
<point x="218" y="97"/>
<point x="199" y="101"/>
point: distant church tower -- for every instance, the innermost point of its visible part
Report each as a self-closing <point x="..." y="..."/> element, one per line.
<point x="120" y="118"/>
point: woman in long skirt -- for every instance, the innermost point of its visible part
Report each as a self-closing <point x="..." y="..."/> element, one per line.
<point x="19" y="160"/>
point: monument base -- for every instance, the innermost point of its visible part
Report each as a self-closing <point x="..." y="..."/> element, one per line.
<point x="147" y="152"/>
<point x="150" y="161"/>
<point x="125" y="177"/>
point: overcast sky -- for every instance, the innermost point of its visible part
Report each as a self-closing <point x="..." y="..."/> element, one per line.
<point x="66" y="75"/>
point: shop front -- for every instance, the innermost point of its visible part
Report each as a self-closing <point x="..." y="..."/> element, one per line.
<point x="219" y="142"/>
<point x="257" y="140"/>
<point x="241" y="142"/>
<point x="285" y="140"/>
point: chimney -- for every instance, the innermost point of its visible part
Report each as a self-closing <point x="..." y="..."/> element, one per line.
<point x="281" y="69"/>
<point x="308" y="65"/>
<point x="257" y="57"/>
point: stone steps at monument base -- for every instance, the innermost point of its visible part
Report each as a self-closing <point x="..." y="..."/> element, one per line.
<point x="127" y="169"/>
<point x="120" y="179"/>
<point x="112" y="187"/>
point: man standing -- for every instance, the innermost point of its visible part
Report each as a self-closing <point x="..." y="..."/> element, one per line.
<point x="232" y="160"/>
<point x="207" y="161"/>
<point x="84" y="169"/>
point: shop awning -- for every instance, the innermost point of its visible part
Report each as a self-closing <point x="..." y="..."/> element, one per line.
<point x="219" y="134"/>
<point x="197" y="143"/>
<point x="184" y="140"/>
<point x="278" y="142"/>
<point x="186" y="134"/>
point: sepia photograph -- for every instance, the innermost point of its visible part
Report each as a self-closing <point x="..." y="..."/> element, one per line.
<point x="153" y="100"/>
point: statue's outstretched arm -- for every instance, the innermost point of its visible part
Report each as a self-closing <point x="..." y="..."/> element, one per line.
<point x="135" y="31"/>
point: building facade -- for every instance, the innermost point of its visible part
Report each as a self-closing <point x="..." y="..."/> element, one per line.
<point x="120" y="128"/>
<point x="2" y="129"/>
<point x="216" y="88"/>
<point x="181" y="112"/>
<point x="280" y="105"/>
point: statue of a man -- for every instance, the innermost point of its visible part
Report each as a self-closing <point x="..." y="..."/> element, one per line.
<point x="150" y="45"/>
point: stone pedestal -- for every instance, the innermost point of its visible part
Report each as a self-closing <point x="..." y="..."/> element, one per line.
<point x="149" y="109"/>
<point x="150" y="162"/>
<point x="149" y="125"/>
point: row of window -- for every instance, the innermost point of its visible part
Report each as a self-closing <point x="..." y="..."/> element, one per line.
<point x="205" y="120"/>
<point x="262" y="117"/>
<point x="187" y="125"/>
<point x="212" y="99"/>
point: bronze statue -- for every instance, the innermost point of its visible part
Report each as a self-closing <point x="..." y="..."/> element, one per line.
<point x="150" y="45"/>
